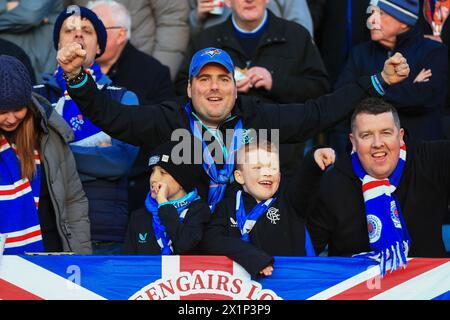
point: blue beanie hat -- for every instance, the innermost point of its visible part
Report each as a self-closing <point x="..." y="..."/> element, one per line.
<point x="405" y="11"/>
<point x="84" y="13"/>
<point x="15" y="84"/>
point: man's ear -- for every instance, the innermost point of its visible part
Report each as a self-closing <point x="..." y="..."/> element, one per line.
<point x="189" y="90"/>
<point x="238" y="177"/>
<point x="352" y="139"/>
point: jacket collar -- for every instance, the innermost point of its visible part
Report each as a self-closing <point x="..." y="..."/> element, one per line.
<point x="410" y="37"/>
<point x="274" y="33"/>
<point x="50" y="118"/>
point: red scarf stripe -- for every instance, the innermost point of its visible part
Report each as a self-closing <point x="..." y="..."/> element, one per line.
<point x="12" y="189"/>
<point x="375" y="184"/>
<point x="4" y="145"/>
<point x="26" y="236"/>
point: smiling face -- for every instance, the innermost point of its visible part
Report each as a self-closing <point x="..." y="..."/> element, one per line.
<point x="82" y="31"/>
<point x="258" y="171"/>
<point x="10" y="120"/>
<point x="377" y="140"/>
<point x="213" y="93"/>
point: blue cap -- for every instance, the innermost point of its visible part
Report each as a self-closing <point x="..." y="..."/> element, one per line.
<point x="99" y="27"/>
<point x="210" y="55"/>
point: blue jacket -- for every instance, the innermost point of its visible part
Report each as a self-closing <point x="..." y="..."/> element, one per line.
<point x="103" y="170"/>
<point x="420" y="105"/>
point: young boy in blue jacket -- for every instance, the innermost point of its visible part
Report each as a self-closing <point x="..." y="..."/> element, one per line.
<point x="266" y="217"/>
<point x="174" y="216"/>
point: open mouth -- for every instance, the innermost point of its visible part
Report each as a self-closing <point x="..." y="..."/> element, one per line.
<point x="265" y="183"/>
<point x="379" y="156"/>
<point x="214" y="99"/>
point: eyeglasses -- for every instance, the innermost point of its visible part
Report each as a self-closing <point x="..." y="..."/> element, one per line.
<point x="115" y="27"/>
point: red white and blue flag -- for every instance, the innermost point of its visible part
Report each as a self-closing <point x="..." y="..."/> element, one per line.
<point x="206" y="277"/>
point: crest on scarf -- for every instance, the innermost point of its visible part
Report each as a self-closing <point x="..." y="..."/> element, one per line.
<point x="394" y="215"/>
<point x="374" y="227"/>
<point x="247" y="137"/>
<point x="273" y="215"/>
<point x="76" y="122"/>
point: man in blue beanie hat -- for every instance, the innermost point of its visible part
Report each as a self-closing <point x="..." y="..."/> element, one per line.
<point x="420" y="98"/>
<point x="103" y="163"/>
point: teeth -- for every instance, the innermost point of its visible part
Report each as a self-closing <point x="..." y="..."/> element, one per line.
<point x="379" y="154"/>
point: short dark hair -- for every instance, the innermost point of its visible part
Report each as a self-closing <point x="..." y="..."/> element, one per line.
<point x="374" y="106"/>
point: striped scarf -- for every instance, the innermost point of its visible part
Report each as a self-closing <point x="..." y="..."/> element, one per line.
<point x="182" y="206"/>
<point x="86" y="133"/>
<point x="219" y="178"/>
<point x="388" y="235"/>
<point x="19" y="202"/>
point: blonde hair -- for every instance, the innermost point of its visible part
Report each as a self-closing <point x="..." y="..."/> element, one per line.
<point x="264" y="145"/>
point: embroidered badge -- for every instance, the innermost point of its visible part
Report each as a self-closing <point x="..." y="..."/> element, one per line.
<point x="273" y="215"/>
<point x="142" y="238"/>
<point x="374" y="227"/>
<point x="394" y="215"/>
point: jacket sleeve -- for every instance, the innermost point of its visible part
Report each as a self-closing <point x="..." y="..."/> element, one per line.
<point x="305" y="184"/>
<point x="298" y="122"/>
<point x="136" y="125"/>
<point x="298" y="11"/>
<point x="309" y="80"/>
<point x="172" y="32"/>
<point x="320" y="221"/>
<point x="414" y="98"/>
<point x="185" y="235"/>
<point x="28" y="14"/>
<point x="216" y="241"/>
<point x="76" y="205"/>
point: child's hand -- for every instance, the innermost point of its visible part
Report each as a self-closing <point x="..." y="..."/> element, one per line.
<point x="161" y="190"/>
<point x="324" y="157"/>
<point x="267" y="271"/>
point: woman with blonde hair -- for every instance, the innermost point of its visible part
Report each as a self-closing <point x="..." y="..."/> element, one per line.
<point x="43" y="207"/>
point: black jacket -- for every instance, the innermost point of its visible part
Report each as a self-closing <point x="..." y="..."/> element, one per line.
<point x="419" y="105"/>
<point x="285" y="49"/>
<point x="339" y="218"/>
<point x="140" y="237"/>
<point x="151" y="125"/>
<point x="150" y="81"/>
<point x="279" y="232"/>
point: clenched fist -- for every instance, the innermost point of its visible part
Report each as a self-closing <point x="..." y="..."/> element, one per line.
<point x="71" y="58"/>
<point x="396" y="69"/>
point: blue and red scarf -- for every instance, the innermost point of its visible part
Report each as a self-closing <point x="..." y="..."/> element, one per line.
<point x="19" y="203"/>
<point x="388" y="235"/>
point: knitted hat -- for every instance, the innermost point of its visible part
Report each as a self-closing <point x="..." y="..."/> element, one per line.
<point x="15" y="84"/>
<point x="405" y="11"/>
<point x="84" y="13"/>
<point x="186" y="174"/>
<point x="210" y="55"/>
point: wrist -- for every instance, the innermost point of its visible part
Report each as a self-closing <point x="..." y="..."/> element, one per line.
<point x="74" y="79"/>
<point x="383" y="79"/>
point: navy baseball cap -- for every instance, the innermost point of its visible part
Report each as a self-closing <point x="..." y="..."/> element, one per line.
<point x="210" y="55"/>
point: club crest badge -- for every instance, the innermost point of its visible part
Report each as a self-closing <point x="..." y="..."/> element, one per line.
<point x="374" y="227"/>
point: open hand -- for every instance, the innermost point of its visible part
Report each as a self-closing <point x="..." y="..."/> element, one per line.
<point x="267" y="271"/>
